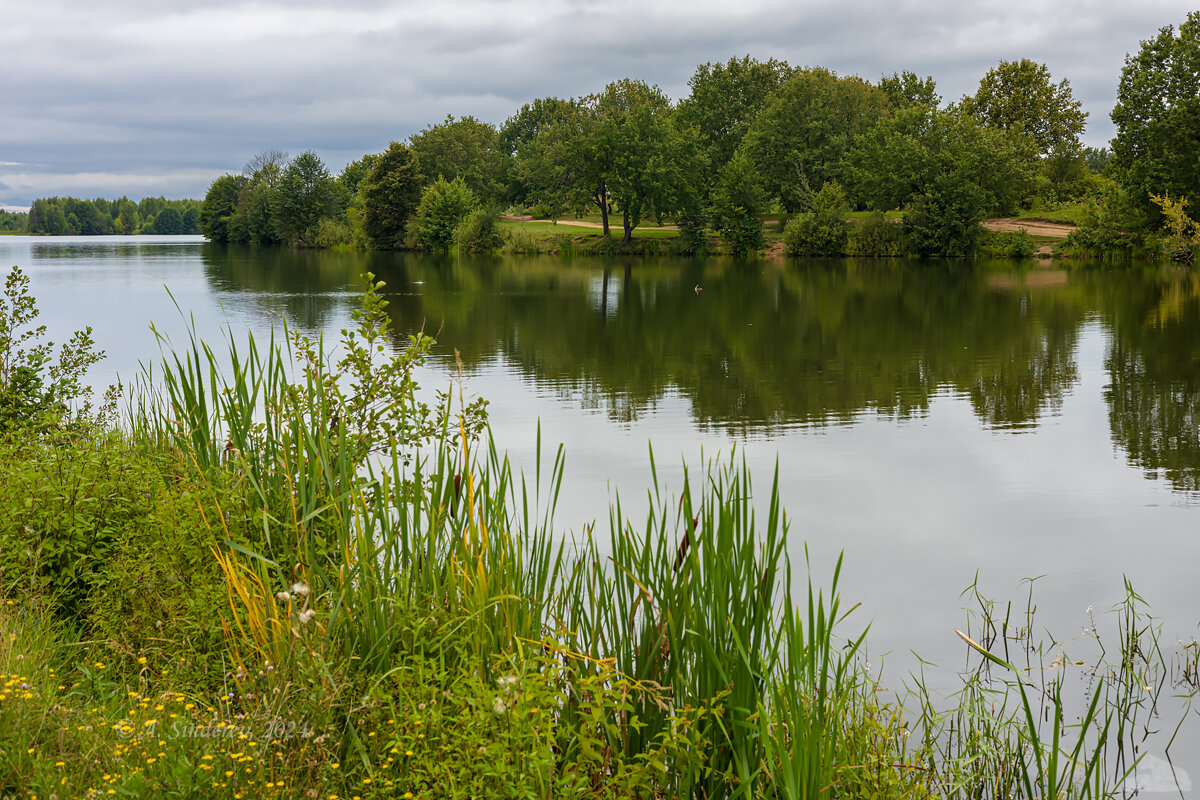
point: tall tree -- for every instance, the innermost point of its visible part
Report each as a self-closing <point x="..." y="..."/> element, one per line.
<point x="252" y="222"/>
<point x="738" y="202"/>
<point x="649" y="153"/>
<point x="1021" y="95"/>
<point x="946" y="169"/>
<point x="725" y="100"/>
<point x="463" y="148"/>
<point x="390" y="195"/>
<point x="566" y="165"/>
<point x="169" y="222"/>
<point x="354" y="173"/>
<point x="906" y="89"/>
<point x="519" y="136"/>
<point x="306" y="194"/>
<point x="621" y="147"/>
<point x="1157" y="146"/>
<point x="800" y="139"/>
<point x="219" y="205"/>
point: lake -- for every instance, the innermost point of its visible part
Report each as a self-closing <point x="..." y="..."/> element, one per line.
<point x="940" y="423"/>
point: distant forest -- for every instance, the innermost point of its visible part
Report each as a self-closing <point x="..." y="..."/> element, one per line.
<point x="70" y="216"/>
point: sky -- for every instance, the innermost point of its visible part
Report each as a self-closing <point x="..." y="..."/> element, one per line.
<point x="141" y="98"/>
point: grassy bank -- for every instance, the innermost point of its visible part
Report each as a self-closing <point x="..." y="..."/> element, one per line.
<point x="282" y="576"/>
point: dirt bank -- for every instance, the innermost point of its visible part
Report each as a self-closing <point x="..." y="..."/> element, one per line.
<point x="1034" y="227"/>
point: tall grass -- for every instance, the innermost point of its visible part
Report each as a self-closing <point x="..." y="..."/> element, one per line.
<point x="346" y="509"/>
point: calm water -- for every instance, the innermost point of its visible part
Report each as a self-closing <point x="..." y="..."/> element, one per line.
<point x="933" y="421"/>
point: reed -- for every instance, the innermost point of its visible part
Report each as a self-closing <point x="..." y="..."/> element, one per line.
<point x="357" y="526"/>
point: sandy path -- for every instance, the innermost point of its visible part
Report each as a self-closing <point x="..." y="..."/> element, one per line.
<point x="1055" y="230"/>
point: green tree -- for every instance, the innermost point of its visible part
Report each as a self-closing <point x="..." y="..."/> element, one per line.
<point x="354" y="173"/>
<point x="1157" y="115"/>
<point x="650" y="155"/>
<point x="619" y="148"/>
<point x="946" y="169"/>
<point x="479" y="232"/>
<point x="725" y="100"/>
<point x="904" y="89"/>
<point x="306" y="194"/>
<point x="169" y="222"/>
<point x="565" y="167"/>
<point x="519" y="137"/>
<point x="47" y="217"/>
<point x="1097" y="159"/>
<point x="1021" y="95"/>
<point x="822" y="231"/>
<point x="390" y="195"/>
<point x="219" y="204"/>
<point x="738" y="203"/>
<point x="463" y="148"/>
<point x="444" y="206"/>
<point x="801" y="138"/>
<point x="128" y="220"/>
<point x="32" y="387"/>
<point x="253" y="221"/>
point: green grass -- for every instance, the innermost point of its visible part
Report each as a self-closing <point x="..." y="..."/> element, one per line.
<point x="545" y="227"/>
<point x="1071" y="214"/>
<point x="857" y="215"/>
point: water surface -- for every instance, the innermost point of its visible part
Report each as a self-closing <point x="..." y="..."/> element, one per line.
<point x="933" y="421"/>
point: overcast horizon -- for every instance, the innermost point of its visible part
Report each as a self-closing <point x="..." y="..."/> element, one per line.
<point x="133" y="98"/>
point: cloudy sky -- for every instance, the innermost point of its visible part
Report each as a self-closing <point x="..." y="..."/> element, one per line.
<point x="134" y="97"/>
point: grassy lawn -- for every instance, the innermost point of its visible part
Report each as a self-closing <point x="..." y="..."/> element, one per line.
<point x="864" y="214"/>
<point x="547" y="228"/>
<point x="1072" y="214"/>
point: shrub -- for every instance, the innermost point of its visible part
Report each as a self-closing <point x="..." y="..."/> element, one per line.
<point x="876" y="237"/>
<point x="1008" y="244"/>
<point x="693" y="231"/>
<point x="1109" y="224"/>
<point x="32" y="389"/>
<point x="444" y="204"/>
<point x="479" y="232"/>
<point x="525" y="242"/>
<point x="822" y="231"/>
<point x="737" y="206"/>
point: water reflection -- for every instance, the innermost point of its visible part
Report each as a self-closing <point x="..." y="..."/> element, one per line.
<point x="766" y="346"/>
<point x="1154" y="372"/>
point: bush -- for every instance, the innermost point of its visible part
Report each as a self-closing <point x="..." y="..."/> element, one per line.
<point x="876" y="237"/>
<point x="444" y="205"/>
<point x="33" y="391"/>
<point x="693" y="231"/>
<point x="822" y="231"/>
<point x="1109" y="224"/>
<point x="525" y="242"/>
<point x="737" y="206"/>
<point x="944" y="221"/>
<point x="480" y="232"/>
<point x="1008" y="244"/>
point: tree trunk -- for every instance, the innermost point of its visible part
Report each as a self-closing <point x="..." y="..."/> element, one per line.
<point x="602" y="201"/>
<point x="628" y="229"/>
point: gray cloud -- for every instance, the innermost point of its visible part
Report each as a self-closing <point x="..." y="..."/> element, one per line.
<point x="135" y="97"/>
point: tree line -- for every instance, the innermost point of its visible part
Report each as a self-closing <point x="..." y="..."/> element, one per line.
<point x="71" y="216"/>
<point x="756" y="139"/>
